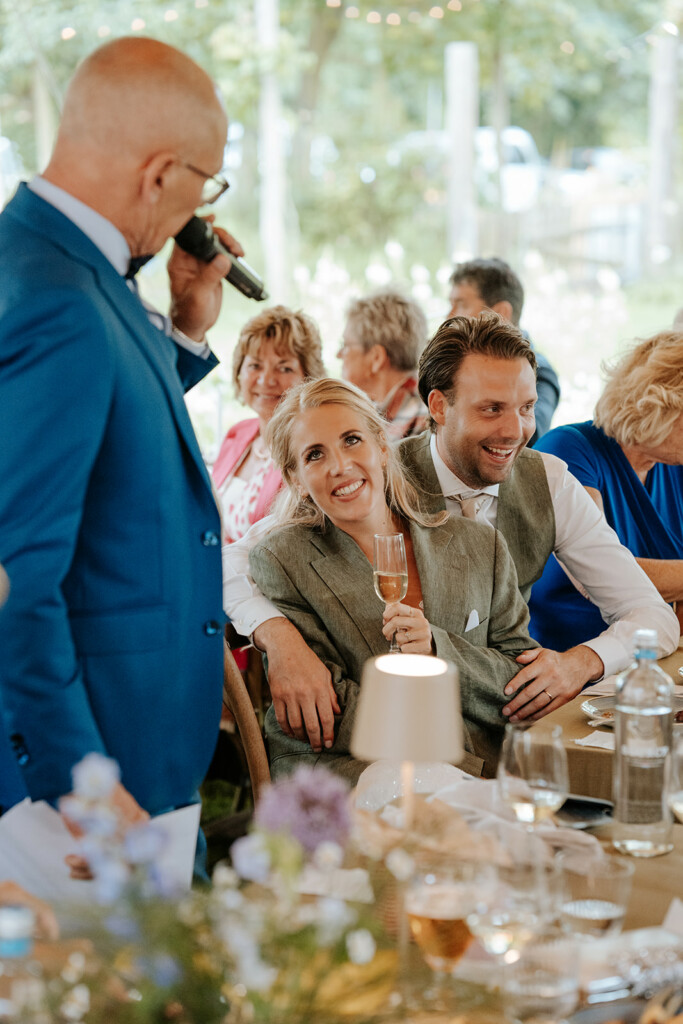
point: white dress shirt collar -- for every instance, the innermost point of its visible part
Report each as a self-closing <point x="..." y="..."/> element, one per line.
<point x="98" y="229"/>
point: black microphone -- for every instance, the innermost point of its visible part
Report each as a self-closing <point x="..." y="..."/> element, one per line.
<point x="198" y="238"/>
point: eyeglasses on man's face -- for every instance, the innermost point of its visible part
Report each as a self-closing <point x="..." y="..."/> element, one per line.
<point x="214" y="184"/>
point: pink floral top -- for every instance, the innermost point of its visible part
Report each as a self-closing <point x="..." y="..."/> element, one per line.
<point x="238" y="500"/>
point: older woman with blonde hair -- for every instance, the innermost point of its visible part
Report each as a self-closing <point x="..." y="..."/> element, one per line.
<point x="276" y="349"/>
<point x="630" y="460"/>
<point x="344" y="485"/>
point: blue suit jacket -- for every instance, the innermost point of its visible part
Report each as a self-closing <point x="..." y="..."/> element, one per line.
<point x="111" y="637"/>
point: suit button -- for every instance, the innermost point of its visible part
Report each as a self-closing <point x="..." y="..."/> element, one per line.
<point x="19" y="748"/>
<point x="212" y="627"/>
<point x="210" y="539"/>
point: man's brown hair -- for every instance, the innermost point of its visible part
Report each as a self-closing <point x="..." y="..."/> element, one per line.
<point x="487" y="334"/>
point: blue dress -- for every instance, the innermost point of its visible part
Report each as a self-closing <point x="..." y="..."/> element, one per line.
<point x="648" y="519"/>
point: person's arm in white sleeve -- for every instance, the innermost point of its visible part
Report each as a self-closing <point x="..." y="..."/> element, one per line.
<point x="243" y="602"/>
<point x="609" y="575"/>
<point x="300" y="684"/>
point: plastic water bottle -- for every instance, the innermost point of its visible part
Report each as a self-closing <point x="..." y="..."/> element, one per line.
<point x="642" y="763"/>
<point x="22" y="991"/>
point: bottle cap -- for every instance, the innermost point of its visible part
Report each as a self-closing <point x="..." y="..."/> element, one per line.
<point x="16" y="922"/>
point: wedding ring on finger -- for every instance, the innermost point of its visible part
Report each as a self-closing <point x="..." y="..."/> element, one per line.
<point x="550" y="696"/>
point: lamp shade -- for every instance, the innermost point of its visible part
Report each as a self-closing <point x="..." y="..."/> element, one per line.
<point x="408" y="710"/>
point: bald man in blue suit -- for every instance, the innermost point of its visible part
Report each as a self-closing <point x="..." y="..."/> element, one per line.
<point x="111" y="638"/>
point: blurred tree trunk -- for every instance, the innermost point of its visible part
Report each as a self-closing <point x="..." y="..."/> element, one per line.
<point x="662" y="145"/>
<point x="326" y="23"/>
<point x="272" y="169"/>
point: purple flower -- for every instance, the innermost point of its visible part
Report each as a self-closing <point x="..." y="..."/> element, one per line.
<point x="311" y="805"/>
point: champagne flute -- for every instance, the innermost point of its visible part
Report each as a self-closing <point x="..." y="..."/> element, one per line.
<point x="390" y="572"/>
<point x="533" y="778"/>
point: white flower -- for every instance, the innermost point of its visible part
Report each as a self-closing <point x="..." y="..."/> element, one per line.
<point x="400" y="864"/>
<point x="224" y="877"/>
<point x="76" y="1003"/>
<point x="229" y="899"/>
<point x="328" y="856"/>
<point x="360" y="946"/>
<point x="257" y="975"/>
<point x="95" y="777"/>
<point x="74" y="967"/>
<point x="333" y="917"/>
<point x="250" y="858"/>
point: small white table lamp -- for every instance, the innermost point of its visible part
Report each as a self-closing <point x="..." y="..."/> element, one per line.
<point x="408" y="710"/>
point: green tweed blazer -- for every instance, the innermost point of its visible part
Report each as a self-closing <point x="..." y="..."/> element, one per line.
<point x="322" y="582"/>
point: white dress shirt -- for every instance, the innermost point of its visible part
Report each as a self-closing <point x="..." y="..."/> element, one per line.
<point x="584" y="543"/>
<point x="113" y="247"/>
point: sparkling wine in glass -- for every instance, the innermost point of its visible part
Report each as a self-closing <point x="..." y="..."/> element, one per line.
<point x="390" y="572"/>
<point x="438" y="900"/>
<point x="532" y="772"/>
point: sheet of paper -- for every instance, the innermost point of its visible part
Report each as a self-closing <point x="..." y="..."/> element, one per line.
<point x="34" y="842"/>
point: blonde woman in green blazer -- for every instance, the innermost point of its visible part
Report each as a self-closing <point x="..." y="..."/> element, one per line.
<point x="344" y="484"/>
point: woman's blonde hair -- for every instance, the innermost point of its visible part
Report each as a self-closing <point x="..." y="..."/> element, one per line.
<point x="291" y="506"/>
<point x="288" y="331"/>
<point x="643" y="396"/>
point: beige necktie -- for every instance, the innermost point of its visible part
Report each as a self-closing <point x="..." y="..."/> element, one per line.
<point x="470" y="506"/>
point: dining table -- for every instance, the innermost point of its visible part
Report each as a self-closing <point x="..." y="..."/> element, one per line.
<point x="590" y="768"/>
<point x="657" y="880"/>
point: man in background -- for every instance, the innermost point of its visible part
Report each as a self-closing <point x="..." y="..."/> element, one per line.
<point x="111" y="637"/>
<point x="383" y="337"/>
<point x="492" y="284"/>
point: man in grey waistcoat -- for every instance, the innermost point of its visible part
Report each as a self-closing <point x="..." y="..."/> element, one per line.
<point x="478" y="378"/>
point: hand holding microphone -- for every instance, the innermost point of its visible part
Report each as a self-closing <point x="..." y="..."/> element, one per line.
<point x="198" y="239"/>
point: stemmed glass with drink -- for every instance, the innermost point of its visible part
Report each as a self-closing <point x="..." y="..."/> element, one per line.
<point x="532" y="775"/>
<point x="390" y="572"/>
<point x="439" y="898"/>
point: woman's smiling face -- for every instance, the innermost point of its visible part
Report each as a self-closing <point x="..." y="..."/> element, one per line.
<point x="264" y="377"/>
<point x="339" y="463"/>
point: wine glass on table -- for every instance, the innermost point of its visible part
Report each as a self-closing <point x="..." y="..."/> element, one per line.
<point x="533" y="778"/>
<point x="441" y="894"/>
<point x="390" y="572"/>
<point x="517" y="904"/>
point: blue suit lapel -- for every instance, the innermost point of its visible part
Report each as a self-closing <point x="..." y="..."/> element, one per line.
<point x="41" y="218"/>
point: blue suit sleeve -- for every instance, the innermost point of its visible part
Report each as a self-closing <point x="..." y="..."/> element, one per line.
<point x="56" y="376"/>
<point x="548" y="388"/>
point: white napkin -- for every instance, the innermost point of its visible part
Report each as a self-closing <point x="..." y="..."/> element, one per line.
<point x="478" y="802"/>
<point x="673" y="921"/>
<point x="603" y="740"/>
<point x="607" y="687"/>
